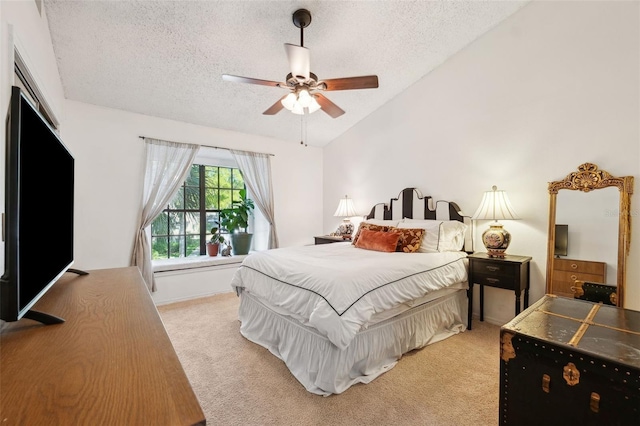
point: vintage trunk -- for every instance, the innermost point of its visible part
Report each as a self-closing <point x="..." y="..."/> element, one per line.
<point x="566" y="361"/>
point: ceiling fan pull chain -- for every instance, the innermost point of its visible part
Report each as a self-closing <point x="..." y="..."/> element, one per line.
<point x="303" y="130"/>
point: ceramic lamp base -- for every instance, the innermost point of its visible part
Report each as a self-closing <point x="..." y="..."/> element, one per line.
<point x="345" y="229"/>
<point x="496" y="239"/>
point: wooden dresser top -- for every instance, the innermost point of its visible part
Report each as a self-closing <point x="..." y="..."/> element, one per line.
<point x="110" y="362"/>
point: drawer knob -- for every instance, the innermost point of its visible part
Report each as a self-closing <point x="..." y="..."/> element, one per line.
<point x="574" y="266"/>
<point x="573" y="277"/>
<point x="493" y="268"/>
<point x="577" y="289"/>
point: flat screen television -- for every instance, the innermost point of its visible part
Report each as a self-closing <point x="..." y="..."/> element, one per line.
<point x="39" y="187"/>
<point x="562" y="240"/>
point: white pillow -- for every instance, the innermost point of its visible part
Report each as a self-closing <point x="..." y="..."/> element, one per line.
<point x="440" y="236"/>
<point x="452" y="236"/>
<point x="431" y="236"/>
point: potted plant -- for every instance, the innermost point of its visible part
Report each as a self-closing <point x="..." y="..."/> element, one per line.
<point x="213" y="245"/>
<point x="236" y="221"/>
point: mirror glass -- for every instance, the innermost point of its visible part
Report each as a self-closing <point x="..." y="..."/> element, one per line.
<point x="592" y="221"/>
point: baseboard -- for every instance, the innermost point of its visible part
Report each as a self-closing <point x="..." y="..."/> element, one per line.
<point x="192" y="284"/>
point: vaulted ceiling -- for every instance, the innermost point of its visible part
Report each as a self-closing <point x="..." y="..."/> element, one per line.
<point x="166" y="58"/>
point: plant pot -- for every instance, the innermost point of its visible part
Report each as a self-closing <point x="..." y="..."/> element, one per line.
<point x="241" y="243"/>
<point x="212" y="249"/>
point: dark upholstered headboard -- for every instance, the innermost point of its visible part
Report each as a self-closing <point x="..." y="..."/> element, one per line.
<point x="410" y="203"/>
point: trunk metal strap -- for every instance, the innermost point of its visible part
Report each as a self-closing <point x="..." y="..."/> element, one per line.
<point x="585" y="324"/>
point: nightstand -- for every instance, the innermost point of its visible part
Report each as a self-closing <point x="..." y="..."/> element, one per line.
<point x="510" y="272"/>
<point x="328" y="239"/>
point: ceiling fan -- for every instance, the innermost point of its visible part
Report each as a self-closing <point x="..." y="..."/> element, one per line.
<point x="305" y="89"/>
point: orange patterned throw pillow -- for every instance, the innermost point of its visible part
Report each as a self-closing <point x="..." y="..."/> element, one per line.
<point x="378" y="240"/>
<point x="370" y="227"/>
<point x="410" y="239"/>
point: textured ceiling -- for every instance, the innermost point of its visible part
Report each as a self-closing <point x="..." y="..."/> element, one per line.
<point x="166" y="58"/>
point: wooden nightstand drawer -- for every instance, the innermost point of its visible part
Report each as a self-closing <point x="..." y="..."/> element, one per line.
<point x="499" y="281"/>
<point x="495" y="269"/>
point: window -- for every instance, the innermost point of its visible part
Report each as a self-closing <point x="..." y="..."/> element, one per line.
<point x="25" y="80"/>
<point x="184" y="227"/>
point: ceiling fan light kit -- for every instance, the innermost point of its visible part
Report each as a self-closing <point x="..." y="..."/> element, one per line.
<point x="304" y="87"/>
<point x="299" y="101"/>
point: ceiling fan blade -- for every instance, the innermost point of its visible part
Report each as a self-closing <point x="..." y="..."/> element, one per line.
<point x="350" y="83"/>
<point x="238" y="79"/>
<point x="275" y="108"/>
<point x="298" y="60"/>
<point x="327" y="106"/>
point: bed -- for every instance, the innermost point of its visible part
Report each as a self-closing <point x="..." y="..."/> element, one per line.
<point x="344" y="313"/>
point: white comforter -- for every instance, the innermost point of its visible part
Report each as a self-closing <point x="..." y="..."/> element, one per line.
<point x="336" y="288"/>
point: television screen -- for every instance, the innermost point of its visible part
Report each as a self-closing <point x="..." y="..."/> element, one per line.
<point x="39" y="199"/>
<point x="562" y="240"/>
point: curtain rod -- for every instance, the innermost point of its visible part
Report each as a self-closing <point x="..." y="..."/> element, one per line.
<point x="209" y="146"/>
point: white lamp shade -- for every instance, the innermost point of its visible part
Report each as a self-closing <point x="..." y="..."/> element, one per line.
<point x="314" y="105"/>
<point x="298" y="109"/>
<point x="495" y="205"/>
<point x="345" y="208"/>
<point x="289" y="101"/>
<point x="304" y="98"/>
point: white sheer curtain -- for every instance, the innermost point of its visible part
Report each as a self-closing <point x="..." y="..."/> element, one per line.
<point x="167" y="166"/>
<point x="256" y="170"/>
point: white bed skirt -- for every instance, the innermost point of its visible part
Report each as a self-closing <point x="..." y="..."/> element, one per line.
<point x="322" y="368"/>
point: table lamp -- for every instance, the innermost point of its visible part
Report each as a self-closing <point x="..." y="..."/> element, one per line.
<point x="345" y="210"/>
<point x="495" y="206"/>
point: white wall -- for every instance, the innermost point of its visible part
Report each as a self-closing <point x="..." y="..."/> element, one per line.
<point x="110" y="162"/>
<point x="110" y="170"/>
<point x="554" y="86"/>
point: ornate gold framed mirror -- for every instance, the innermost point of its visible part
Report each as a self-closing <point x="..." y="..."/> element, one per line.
<point x="598" y="221"/>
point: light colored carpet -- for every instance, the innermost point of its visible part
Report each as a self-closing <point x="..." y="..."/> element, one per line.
<point x="452" y="382"/>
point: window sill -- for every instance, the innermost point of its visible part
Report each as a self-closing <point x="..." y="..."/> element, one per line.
<point x="194" y="262"/>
